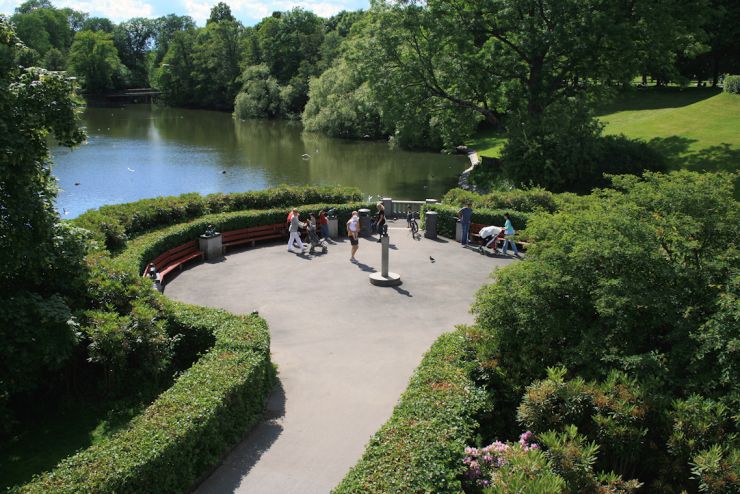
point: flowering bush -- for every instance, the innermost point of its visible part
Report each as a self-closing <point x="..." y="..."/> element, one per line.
<point x="561" y="462"/>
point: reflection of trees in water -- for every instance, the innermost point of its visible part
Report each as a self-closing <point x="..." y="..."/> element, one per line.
<point x="273" y="149"/>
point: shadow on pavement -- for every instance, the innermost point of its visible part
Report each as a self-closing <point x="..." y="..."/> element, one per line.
<point x="252" y="446"/>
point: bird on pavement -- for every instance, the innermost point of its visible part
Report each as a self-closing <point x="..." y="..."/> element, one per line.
<point x="432" y="259"/>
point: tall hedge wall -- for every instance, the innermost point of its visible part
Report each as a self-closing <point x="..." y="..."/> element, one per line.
<point x="419" y="450"/>
<point x="190" y="426"/>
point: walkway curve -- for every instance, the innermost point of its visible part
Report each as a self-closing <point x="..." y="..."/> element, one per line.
<point x="344" y="348"/>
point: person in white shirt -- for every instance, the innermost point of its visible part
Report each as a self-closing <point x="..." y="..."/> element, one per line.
<point x="295" y="231"/>
<point x="353" y="230"/>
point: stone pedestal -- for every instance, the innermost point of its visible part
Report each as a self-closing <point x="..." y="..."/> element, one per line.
<point x="211" y="246"/>
<point x="430" y="225"/>
<point x="333" y="227"/>
<point x="458" y="231"/>
<point x="385" y="277"/>
<point x="388" y="206"/>
<point x="365" y="222"/>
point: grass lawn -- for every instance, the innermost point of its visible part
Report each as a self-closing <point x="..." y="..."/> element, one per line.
<point x="696" y="128"/>
<point x="47" y="436"/>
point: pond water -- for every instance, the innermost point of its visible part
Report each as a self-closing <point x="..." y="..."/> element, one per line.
<point x="146" y="151"/>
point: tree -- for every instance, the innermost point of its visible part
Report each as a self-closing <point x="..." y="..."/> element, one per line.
<point x="175" y="77"/>
<point x="165" y="28"/>
<point x="97" y="24"/>
<point x="133" y="39"/>
<point x="216" y="58"/>
<point x="260" y="94"/>
<point x="41" y="267"/>
<point x="219" y="13"/>
<point x="94" y="58"/>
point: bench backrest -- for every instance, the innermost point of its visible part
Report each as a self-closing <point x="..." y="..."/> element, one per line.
<point x="253" y="231"/>
<point x="175" y="253"/>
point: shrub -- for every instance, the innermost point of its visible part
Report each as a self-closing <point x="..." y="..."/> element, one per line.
<point x="187" y="429"/>
<point x="521" y="200"/>
<point x="563" y="150"/>
<point x="732" y="84"/>
<point x="717" y="470"/>
<point x="420" y="448"/>
<point x="148" y="246"/>
<point x="113" y="225"/>
<point x="612" y="414"/>
<point x="447" y="218"/>
<point x="698" y="423"/>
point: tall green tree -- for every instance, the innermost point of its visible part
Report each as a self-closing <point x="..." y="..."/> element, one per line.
<point x="41" y="260"/>
<point x="94" y="58"/>
<point x="133" y="40"/>
<point x="175" y="75"/>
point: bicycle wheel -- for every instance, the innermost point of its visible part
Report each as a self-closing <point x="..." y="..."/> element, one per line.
<point x="414" y="228"/>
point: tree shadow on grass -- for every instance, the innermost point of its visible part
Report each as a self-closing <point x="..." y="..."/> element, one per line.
<point x="722" y="157"/>
<point x="656" y="99"/>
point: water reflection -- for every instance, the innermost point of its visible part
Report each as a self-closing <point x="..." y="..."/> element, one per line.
<point x="142" y="151"/>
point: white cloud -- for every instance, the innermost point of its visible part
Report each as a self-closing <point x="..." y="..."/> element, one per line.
<point x="199" y="11"/>
<point x="115" y="10"/>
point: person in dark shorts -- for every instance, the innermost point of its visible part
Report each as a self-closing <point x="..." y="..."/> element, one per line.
<point x="324" y="224"/>
<point x="381" y="220"/>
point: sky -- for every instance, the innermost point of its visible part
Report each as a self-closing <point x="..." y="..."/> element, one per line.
<point x="248" y="11"/>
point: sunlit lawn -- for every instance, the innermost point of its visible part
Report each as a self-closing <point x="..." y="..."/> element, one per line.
<point x="696" y="128"/>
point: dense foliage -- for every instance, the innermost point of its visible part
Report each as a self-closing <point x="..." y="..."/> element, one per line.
<point x="732" y="84"/>
<point x="187" y="429"/>
<point x="41" y="266"/>
<point x="641" y="279"/>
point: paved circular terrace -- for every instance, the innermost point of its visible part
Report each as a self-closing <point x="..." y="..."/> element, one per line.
<point x="345" y="349"/>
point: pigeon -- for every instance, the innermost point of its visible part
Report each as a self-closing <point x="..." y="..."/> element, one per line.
<point x="432" y="259"/>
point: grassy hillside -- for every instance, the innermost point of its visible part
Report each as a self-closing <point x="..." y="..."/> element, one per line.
<point x="696" y="128"/>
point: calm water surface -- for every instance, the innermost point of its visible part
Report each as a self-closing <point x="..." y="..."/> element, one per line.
<point x="146" y="151"/>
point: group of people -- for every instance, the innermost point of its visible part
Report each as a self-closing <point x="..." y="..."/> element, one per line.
<point x="295" y="225"/>
<point x="489" y="234"/>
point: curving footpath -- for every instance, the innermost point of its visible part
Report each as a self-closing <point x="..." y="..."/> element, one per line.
<point x="344" y="348"/>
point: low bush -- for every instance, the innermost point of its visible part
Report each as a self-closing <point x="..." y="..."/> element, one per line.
<point x="187" y="429"/>
<point x="447" y="218"/>
<point x="732" y="84"/>
<point x="420" y="449"/>
<point x="115" y="224"/>
<point x="522" y="200"/>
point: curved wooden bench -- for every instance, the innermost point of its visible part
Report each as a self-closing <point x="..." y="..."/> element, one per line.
<point x="174" y="258"/>
<point x="252" y="234"/>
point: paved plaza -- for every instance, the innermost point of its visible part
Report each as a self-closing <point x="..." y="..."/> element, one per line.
<point x="344" y="348"/>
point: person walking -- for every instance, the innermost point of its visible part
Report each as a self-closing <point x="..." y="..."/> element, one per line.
<point x="295" y="231"/>
<point x="509" y="233"/>
<point x="381" y="220"/>
<point x="353" y="230"/>
<point x="465" y="215"/>
<point x="324" y="224"/>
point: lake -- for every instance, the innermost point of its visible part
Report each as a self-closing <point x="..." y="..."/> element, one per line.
<point x="145" y="151"/>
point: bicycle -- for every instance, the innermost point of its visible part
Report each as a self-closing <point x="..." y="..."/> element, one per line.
<point x="413" y="224"/>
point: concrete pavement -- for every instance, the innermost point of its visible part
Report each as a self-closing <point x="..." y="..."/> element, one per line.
<point x="344" y="348"/>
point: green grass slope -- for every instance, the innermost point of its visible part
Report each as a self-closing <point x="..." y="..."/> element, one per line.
<point x="696" y="128"/>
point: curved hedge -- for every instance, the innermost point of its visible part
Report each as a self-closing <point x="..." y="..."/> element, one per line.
<point x="189" y="427"/>
<point x="115" y="224"/>
<point x="419" y="450"/>
<point x="447" y="218"/>
<point x="150" y="245"/>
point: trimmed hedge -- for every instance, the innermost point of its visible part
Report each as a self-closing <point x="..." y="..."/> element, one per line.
<point x="524" y="200"/>
<point x="190" y="426"/>
<point x="447" y="218"/>
<point x="150" y="245"/>
<point x="420" y="448"/>
<point x="114" y="225"/>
